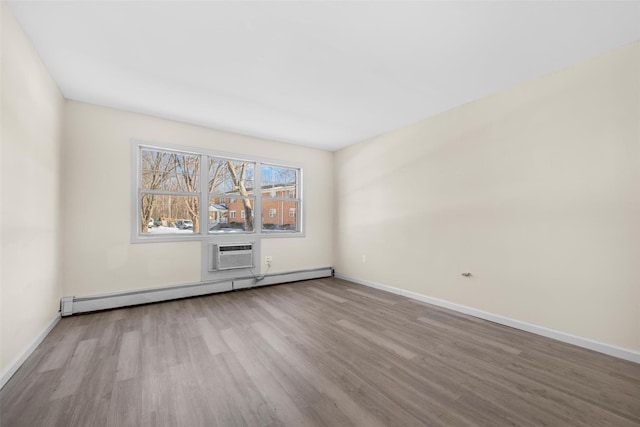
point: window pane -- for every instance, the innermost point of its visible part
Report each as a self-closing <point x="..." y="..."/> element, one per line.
<point x="279" y="181"/>
<point x="230" y="177"/>
<point x="161" y="214"/>
<point x="153" y="165"/>
<point x="154" y="160"/>
<point x="170" y="171"/>
<point x="223" y="217"/>
<point x="187" y="172"/>
<point x="279" y="215"/>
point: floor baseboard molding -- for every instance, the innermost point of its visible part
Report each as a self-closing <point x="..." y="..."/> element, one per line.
<point x="611" y="350"/>
<point x="73" y="305"/>
<point x="13" y="367"/>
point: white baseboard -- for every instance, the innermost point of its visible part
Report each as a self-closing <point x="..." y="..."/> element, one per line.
<point x="13" y="367"/>
<point x="611" y="350"/>
<point x="73" y="305"/>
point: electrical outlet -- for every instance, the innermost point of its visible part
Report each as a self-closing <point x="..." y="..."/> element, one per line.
<point x="364" y="258"/>
<point x="268" y="260"/>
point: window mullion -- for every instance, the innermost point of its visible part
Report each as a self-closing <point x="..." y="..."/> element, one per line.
<point x="204" y="194"/>
<point x="168" y="193"/>
<point x="257" y="209"/>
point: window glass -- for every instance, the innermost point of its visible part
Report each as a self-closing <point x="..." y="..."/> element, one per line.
<point x="231" y="177"/>
<point x="231" y="188"/>
<point x="279" y="181"/>
<point x="280" y="215"/>
<point x="169" y="194"/>
<point x="221" y="219"/>
<point x="280" y="198"/>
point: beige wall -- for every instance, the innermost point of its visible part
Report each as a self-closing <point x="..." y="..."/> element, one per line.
<point x="535" y="191"/>
<point x="32" y="107"/>
<point x="98" y="256"/>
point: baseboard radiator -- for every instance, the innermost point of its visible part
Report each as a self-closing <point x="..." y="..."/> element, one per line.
<point x="73" y="305"/>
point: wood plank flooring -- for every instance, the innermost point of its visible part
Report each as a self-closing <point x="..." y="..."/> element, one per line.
<point x="315" y="353"/>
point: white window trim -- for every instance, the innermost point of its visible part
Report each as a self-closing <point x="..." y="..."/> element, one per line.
<point x="137" y="237"/>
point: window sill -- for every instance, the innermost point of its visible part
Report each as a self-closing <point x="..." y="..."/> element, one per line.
<point x="199" y="237"/>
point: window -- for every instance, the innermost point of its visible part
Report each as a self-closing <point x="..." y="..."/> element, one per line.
<point x="183" y="193"/>
<point x="231" y="186"/>
<point x="280" y="194"/>
<point x="168" y="192"/>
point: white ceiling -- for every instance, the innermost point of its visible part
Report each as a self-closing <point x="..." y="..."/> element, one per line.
<point x="320" y="74"/>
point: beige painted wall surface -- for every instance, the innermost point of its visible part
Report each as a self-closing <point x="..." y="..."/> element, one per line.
<point x="98" y="256"/>
<point x="32" y="107"/>
<point x="535" y="191"/>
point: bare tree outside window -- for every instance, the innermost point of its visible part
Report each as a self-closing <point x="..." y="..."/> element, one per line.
<point x="187" y="171"/>
<point x="169" y="192"/>
<point x="231" y="187"/>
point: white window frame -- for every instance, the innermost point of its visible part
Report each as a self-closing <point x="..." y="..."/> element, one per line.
<point x="138" y="237"/>
<point x="232" y="214"/>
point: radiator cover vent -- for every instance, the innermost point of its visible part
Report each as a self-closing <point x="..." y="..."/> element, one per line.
<point x="230" y="256"/>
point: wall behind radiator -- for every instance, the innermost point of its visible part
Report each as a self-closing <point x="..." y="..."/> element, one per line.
<point x="98" y="255"/>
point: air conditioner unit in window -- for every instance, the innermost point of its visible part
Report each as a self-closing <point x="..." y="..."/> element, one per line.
<point x="230" y="256"/>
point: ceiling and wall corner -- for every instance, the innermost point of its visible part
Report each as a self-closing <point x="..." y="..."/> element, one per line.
<point x="320" y="74"/>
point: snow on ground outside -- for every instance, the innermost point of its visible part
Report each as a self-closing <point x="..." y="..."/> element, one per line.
<point x="168" y="230"/>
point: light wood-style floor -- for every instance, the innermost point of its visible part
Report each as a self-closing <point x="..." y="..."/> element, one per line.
<point x="320" y="352"/>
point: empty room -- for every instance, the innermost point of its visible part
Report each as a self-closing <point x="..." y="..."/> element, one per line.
<point x="340" y="213"/>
